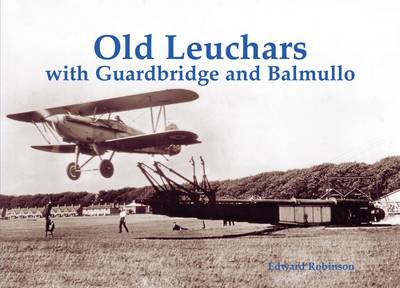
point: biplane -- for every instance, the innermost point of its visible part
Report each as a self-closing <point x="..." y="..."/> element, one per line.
<point x="90" y="129"/>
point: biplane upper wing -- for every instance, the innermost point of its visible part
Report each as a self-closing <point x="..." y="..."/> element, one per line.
<point x="119" y="104"/>
<point x="132" y="143"/>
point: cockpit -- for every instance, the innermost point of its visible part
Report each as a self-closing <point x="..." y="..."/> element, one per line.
<point x="118" y="119"/>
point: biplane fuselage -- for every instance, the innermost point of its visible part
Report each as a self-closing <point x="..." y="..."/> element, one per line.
<point x="88" y="130"/>
<point x="86" y="133"/>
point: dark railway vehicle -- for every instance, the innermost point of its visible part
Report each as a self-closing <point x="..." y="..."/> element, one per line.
<point x="197" y="200"/>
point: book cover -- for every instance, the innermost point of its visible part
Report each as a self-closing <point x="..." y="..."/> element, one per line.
<point x="270" y="100"/>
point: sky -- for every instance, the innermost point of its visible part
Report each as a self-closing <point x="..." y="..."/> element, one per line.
<point x="246" y="127"/>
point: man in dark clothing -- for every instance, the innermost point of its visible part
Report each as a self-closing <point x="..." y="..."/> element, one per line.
<point x="176" y="227"/>
<point x="47" y="215"/>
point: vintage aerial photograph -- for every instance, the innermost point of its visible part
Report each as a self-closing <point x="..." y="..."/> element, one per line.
<point x="199" y="143"/>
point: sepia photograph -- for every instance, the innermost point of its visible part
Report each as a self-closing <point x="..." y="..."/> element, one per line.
<point x="199" y="143"/>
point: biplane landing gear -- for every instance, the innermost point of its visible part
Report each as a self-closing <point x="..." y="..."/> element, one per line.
<point x="73" y="171"/>
<point x="106" y="168"/>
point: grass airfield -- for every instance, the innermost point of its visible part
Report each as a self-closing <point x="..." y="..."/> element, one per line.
<point x="89" y="252"/>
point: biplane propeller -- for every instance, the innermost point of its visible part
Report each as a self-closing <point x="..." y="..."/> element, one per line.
<point x="85" y="130"/>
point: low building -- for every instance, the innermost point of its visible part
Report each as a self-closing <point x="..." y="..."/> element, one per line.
<point x="100" y="210"/>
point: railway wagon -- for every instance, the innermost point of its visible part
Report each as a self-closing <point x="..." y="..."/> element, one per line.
<point x="274" y="211"/>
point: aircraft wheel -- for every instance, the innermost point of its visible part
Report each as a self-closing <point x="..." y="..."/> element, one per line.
<point x="73" y="172"/>
<point x="106" y="168"/>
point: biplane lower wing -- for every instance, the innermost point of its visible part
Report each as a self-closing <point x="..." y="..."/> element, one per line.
<point x="63" y="148"/>
<point x="132" y="143"/>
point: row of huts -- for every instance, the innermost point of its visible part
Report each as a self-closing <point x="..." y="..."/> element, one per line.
<point x="72" y="211"/>
<point x="37" y="212"/>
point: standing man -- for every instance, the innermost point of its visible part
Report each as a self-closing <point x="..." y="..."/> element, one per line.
<point x="122" y="216"/>
<point x="47" y="215"/>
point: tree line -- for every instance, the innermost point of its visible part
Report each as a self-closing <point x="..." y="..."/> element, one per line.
<point x="299" y="183"/>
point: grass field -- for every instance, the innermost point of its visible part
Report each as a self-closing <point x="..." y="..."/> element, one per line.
<point x="88" y="252"/>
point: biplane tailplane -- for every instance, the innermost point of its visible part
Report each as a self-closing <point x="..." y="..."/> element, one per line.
<point x="62" y="148"/>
